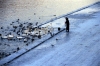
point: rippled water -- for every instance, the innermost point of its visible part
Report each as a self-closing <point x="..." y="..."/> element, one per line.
<point x="38" y="10"/>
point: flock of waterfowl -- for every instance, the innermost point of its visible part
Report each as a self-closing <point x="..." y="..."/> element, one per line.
<point x="23" y="32"/>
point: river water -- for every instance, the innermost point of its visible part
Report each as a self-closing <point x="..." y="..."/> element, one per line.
<point x="38" y="10"/>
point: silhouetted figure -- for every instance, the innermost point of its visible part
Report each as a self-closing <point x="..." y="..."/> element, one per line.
<point x="67" y="24"/>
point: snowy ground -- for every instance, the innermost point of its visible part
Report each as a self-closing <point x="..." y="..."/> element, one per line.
<point x="79" y="47"/>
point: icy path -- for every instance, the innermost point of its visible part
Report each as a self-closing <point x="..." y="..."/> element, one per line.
<point x="79" y="47"/>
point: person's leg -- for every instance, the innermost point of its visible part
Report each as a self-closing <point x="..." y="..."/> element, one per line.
<point x="66" y="29"/>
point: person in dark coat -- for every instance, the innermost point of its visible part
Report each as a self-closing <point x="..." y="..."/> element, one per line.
<point x="67" y="24"/>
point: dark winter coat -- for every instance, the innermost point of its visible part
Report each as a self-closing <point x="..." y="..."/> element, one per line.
<point x="67" y="24"/>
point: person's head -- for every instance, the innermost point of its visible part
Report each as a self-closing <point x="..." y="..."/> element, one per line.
<point x="66" y="18"/>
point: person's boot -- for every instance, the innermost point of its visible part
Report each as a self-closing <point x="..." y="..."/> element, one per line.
<point x="67" y="30"/>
